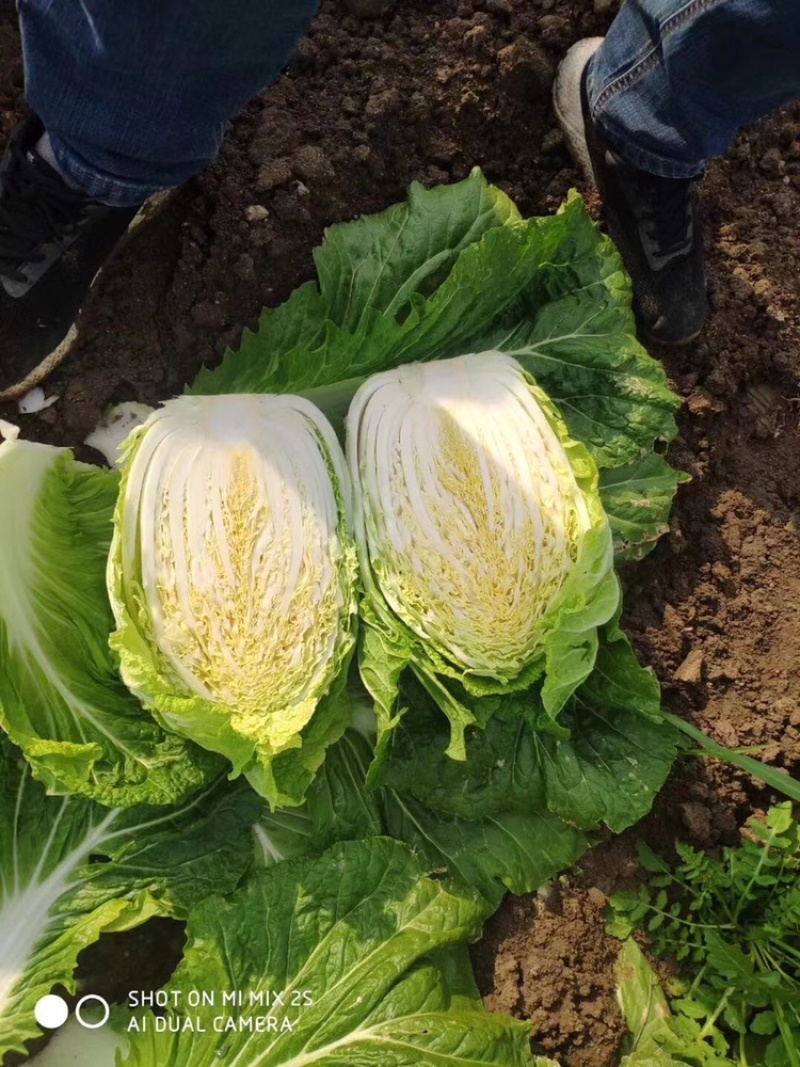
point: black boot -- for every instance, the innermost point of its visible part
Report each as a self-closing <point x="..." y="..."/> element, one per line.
<point x="650" y="219"/>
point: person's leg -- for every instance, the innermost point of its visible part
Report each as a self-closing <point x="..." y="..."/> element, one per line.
<point x="135" y="95"/>
<point x="645" y="107"/>
<point x="674" y="80"/>
<point x="130" y="97"/>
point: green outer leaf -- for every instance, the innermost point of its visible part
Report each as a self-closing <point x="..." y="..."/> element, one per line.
<point x="509" y="851"/>
<point x="56" y="898"/>
<point x="61" y="699"/>
<point x="611" y="396"/>
<point x="607" y="769"/>
<point x="565" y="654"/>
<point x="641" y="999"/>
<point x="510" y="817"/>
<point x="654" y="1041"/>
<point x="502" y="773"/>
<point x="638" y="500"/>
<point x="574" y="332"/>
<point x="379" y="261"/>
<point x="361" y="931"/>
<point x="619" y="751"/>
<point x="414" y="282"/>
<point x="646" y="1013"/>
<point x="337" y="808"/>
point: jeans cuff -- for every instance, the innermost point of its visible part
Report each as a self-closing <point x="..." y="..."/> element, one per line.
<point x="641" y="158"/>
<point x="116" y="192"/>
<point x="624" y="145"/>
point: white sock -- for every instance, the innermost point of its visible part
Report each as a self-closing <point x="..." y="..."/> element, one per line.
<point x="44" y="148"/>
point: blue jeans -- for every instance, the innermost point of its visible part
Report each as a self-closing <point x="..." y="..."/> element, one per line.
<point x="675" y="79"/>
<point x="135" y="94"/>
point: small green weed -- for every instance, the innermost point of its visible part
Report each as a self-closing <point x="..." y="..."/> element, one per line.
<point x="734" y="924"/>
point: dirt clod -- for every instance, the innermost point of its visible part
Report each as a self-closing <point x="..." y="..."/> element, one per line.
<point x="552" y="958"/>
<point x="270" y="175"/>
<point x="526" y="69"/>
<point x="311" y="164"/>
<point x="691" y="670"/>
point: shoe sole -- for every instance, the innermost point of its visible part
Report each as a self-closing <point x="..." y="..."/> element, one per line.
<point x="53" y="360"/>
<point x="567" y="102"/>
<point x="680" y="342"/>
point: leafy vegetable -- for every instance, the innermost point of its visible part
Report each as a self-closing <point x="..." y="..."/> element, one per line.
<point x="517" y="851"/>
<point x="415" y="282"/>
<point x="656" y="1036"/>
<point x="736" y="923"/>
<point x="638" y="499"/>
<point x="510" y="851"/>
<point x="607" y="769"/>
<point x="366" y="951"/>
<point x="61" y="699"/>
<point x="71" y="870"/>
<point x="457" y="269"/>
<point x="232" y="578"/>
<point x="485" y="552"/>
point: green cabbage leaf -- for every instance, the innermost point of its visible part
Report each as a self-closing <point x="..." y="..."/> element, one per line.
<point x="366" y="951"/>
<point x="525" y="804"/>
<point x="61" y="698"/>
<point x="71" y="869"/>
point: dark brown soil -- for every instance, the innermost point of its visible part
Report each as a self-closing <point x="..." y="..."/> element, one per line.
<point x="426" y="91"/>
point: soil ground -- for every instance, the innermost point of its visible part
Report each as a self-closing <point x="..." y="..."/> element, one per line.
<point x="425" y="91"/>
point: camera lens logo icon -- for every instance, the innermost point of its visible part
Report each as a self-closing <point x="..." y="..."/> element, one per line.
<point x="52" y="1011"/>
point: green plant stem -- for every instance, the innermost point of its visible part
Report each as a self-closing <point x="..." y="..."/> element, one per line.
<point x="786" y="1034"/>
<point x="762" y="859"/>
<point x="789" y="949"/>
<point x="742" y="1051"/>
<point x="698" y="980"/>
<point x="689" y="922"/>
<point x="781" y="783"/>
<point x="712" y="1019"/>
<point x="766" y="964"/>
<point x="748" y="749"/>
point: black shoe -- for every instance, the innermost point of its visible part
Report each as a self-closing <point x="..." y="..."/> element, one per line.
<point x="650" y="219"/>
<point x="53" y="242"/>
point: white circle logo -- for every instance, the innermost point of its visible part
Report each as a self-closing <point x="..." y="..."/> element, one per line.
<point x="51" y="1011"/>
<point x="88" y="999"/>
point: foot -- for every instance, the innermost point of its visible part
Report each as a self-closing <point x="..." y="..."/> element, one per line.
<point x="650" y="219"/>
<point x="53" y="242"/>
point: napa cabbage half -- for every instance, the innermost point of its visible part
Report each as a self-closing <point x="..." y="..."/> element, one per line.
<point x="232" y="579"/>
<point x="485" y="551"/>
